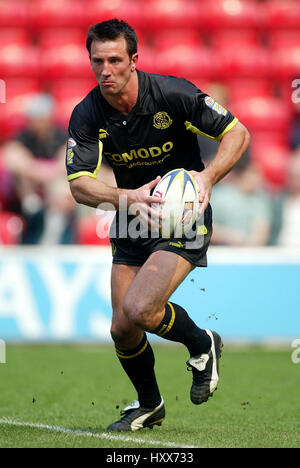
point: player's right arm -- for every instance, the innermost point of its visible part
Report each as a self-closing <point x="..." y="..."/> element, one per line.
<point x="83" y="163"/>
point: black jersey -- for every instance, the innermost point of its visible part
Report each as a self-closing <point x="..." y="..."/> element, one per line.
<point x="158" y="135"/>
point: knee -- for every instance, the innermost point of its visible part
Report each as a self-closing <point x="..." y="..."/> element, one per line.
<point x="125" y="335"/>
<point x="140" y="312"/>
<point x="119" y="334"/>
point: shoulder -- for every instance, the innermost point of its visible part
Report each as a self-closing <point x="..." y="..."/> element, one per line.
<point x="85" y="111"/>
<point x="171" y="88"/>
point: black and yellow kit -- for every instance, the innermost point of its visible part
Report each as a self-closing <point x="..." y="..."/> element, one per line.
<point x="158" y="135"/>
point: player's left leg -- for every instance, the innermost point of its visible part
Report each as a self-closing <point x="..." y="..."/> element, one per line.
<point x="158" y="278"/>
<point x="136" y="357"/>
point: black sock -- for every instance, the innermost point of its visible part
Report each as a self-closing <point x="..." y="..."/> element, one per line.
<point x="178" y="326"/>
<point x="138" y="364"/>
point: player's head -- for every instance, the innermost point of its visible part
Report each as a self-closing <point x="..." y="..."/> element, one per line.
<point x="111" y="30"/>
<point x="112" y="46"/>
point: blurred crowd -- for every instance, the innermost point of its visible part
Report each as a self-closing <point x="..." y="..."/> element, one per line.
<point x="244" y="53"/>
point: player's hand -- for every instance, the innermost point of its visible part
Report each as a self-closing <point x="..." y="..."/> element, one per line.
<point x="141" y="204"/>
<point x="205" y="188"/>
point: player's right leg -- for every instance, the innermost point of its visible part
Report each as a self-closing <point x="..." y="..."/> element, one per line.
<point x="136" y="357"/>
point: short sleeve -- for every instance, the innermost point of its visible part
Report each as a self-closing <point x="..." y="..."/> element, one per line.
<point x="203" y="115"/>
<point x="84" y="150"/>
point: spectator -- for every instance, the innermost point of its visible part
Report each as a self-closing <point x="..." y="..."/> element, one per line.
<point x="35" y="158"/>
<point x="289" y="234"/>
<point x="242" y="211"/>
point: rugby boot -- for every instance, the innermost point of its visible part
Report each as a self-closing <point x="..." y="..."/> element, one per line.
<point x="205" y="368"/>
<point x="135" y="417"/>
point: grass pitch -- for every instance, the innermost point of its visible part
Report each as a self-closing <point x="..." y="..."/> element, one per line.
<point x="66" y="396"/>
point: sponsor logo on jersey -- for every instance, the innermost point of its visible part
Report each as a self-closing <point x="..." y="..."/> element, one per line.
<point x="176" y="244"/>
<point x="214" y="105"/>
<point x="201" y="230"/>
<point x="71" y="143"/>
<point x="70" y="154"/>
<point x="141" y="153"/>
<point x="102" y="133"/>
<point x="162" y="120"/>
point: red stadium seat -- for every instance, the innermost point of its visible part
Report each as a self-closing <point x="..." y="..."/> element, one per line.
<point x="176" y="37"/>
<point x="286" y="62"/>
<point x="57" y="14"/>
<point x="273" y="160"/>
<point x="93" y="230"/>
<point x="65" y="60"/>
<point x="11" y="228"/>
<point x="254" y="87"/>
<point x="229" y="38"/>
<point x="241" y="14"/>
<point x="14" y="13"/>
<point x="282" y="14"/>
<point x="242" y="61"/>
<point x="56" y="37"/>
<point x="128" y="10"/>
<point x="70" y="88"/>
<point x="285" y="54"/>
<point x="17" y="60"/>
<point x="263" y="113"/>
<point x="19" y="36"/>
<point x="182" y="60"/>
<point x="18" y="92"/>
<point x="283" y="38"/>
<point x="172" y="14"/>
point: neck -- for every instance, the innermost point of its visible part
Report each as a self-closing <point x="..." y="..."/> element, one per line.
<point x="127" y="98"/>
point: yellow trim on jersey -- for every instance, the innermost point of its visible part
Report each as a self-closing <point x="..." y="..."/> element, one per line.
<point x="189" y="126"/>
<point x="229" y="127"/>
<point x="94" y="174"/>
<point x="133" y="355"/>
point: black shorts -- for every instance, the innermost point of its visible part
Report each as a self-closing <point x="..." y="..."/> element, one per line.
<point x="127" y="250"/>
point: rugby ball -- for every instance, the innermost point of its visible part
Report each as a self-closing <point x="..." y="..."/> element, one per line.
<point x="180" y="191"/>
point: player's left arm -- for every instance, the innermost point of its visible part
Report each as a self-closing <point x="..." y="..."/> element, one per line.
<point x="232" y="146"/>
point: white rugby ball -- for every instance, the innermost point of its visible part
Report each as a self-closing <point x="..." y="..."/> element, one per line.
<point x="180" y="191"/>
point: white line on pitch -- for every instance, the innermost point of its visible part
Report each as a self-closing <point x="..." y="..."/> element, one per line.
<point x="102" y="435"/>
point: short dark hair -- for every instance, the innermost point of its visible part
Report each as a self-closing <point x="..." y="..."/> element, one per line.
<point x="110" y="30"/>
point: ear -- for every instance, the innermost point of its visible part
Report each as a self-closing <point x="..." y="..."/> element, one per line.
<point x="134" y="60"/>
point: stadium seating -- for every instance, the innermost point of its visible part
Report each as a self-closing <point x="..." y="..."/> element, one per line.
<point x="184" y="60"/>
<point x="281" y="14"/>
<point x="17" y="60"/>
<point x="243" y="61"/>
<point x="170" y="14"/>
<point x="102" y="10"/>
<point x="273" y="158"/>
<point x="285" y="53"/>
<point x="66" y="60"/>
<point x="239" y="88"/>
<point x="238" y="14"/>
<point x="56" y="13"/>
<point x="166" y="38"/>
<point x="14" y="13"/>
<point x="263" y="113"/>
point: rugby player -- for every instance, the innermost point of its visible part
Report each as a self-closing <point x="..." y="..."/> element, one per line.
<point x="145" y="125"/>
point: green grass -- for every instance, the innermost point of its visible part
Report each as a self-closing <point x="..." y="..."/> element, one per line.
<point x="83" y="388"/>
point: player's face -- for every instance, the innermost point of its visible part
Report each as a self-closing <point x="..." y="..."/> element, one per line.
<point x="112" y="66"/>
